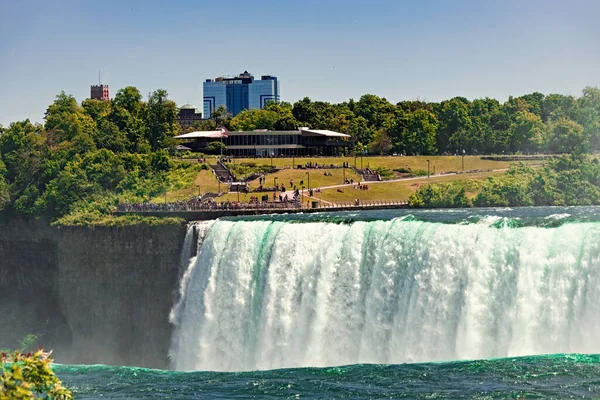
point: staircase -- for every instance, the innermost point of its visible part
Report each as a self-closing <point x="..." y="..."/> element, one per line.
<point x="222" y="172"/>
<point x="368" y="175"/>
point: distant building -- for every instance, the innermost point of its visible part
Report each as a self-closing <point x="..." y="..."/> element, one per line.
<point x="188" y="115"/>
<point x="99" y="92"/>
<point x="265" y="143"/>
<point x="239" y="93"/>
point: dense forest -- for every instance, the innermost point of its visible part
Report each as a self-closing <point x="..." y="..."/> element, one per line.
<point x="531" y="123"/>
<point x="86" y="157"/>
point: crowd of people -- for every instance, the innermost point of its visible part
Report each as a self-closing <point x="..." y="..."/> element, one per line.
<point x="195" y="205"/>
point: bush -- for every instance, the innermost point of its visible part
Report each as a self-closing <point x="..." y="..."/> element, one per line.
<point x="29" y="376"/>
<point x="439" y="196"/>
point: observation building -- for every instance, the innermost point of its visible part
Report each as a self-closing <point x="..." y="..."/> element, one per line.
<point x="266" y="143"/>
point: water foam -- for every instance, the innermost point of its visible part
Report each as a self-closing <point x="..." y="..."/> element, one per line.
<point x="264" y="295"/>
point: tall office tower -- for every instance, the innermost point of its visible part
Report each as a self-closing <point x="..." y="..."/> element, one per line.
<point x="239" y="93"/>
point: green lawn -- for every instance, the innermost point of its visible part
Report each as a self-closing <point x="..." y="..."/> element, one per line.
<point x="377" y="191"/>
<point x="437" y="163"/>
<point x="399" y="191"/>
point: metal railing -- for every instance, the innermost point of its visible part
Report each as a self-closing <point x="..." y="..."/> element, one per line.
<point x="188" y="206"/>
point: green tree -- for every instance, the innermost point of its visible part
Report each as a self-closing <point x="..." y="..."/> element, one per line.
<point x="526" y="132"/>
<point x="249" y="120"/>
<point x="70" y="186"/>
<point x="588" y="114"/>
<point x="108" y="136"/>
<point x="419" y="135"/>
<point x="97" y="109"/>
<point x="381" y="143"/>
<point x="128" y="114"/>
<point x="30" y="376"/>
<point x="161" y="119"/>
<point x="455" y="125"/>
<point x="439" y="196"/>
<point x="566" y="136"/>
<point x="4" y="188"/>
<point x="221" y="117"/>
<point x="215" y="148"/>
<point x="285" y="117"/>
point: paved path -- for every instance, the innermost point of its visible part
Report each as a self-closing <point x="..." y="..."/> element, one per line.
<point x="290" y="193"/>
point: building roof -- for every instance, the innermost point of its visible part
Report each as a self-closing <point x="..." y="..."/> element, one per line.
<point x="187" y="107"/>
<point x="301" y="131"/>
<point x="202" y="134"/>
<point x="324" y="132"/>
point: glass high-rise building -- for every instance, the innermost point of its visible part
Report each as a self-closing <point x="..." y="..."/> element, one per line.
<point x="239" y="93"/>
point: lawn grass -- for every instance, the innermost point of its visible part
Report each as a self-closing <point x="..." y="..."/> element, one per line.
<point x="377" y="191"/>
<point x="207" y="181"/>
<point x="437" y="163"/>
<point x="399" y="191"/>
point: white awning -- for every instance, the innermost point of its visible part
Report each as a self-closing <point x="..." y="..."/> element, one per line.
<point x="203" y="134"/>
<point x="325" y="132"/>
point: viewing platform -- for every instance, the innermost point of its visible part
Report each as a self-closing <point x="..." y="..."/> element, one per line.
<point x="191" y="211"/>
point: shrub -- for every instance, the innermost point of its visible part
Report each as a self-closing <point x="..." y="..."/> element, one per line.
<point x="29" y="376"/>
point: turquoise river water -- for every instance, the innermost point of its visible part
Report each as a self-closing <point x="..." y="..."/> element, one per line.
<point x="381" y="304"/>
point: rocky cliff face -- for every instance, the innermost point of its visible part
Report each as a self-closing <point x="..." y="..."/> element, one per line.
<point x="94" y="295"/>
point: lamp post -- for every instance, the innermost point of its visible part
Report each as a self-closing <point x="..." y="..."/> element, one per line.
<point x="302" y="198"/>
<point x="293" y="159"/>
<point x="344" y="169"/>
<point x="463" y="159"/>
<point x="219" y="180"/>
<point x="275" y="183"/>
<point x="308" y="174"/>
<point x="198" y="186"/>
<point x="427" y="168"/>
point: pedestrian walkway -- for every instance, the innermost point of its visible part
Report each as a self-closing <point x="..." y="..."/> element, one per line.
<point x="222" y="172"/>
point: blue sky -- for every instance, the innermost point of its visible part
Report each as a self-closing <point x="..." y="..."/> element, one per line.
<point x="328" y="50"/>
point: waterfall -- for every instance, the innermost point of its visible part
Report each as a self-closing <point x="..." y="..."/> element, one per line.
<point x="272" y="294"/>
<point x="194" y="237"/>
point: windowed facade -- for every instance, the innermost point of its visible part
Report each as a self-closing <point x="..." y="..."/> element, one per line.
<point x="274" y="143"/>
<point x="239" y="93"/>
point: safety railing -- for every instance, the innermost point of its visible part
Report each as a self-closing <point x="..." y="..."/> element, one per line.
<point x="259" y="206"/>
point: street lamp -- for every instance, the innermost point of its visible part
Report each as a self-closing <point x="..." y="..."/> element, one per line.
<point x="427" y="168"/>
<point x="275" y="183"/>
<point x="463" y="159"/>
<point x="308" y="174"/>
<point x="198" y="186"/>
<point x="344" y="169"/>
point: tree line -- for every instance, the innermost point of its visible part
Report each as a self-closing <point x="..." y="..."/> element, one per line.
<point x="87" y="154"/>
<point x="532" y="123"/>
<point x="568" y="180"/>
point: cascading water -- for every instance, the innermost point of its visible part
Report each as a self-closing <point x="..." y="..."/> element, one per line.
<point x="273" y="294"/>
